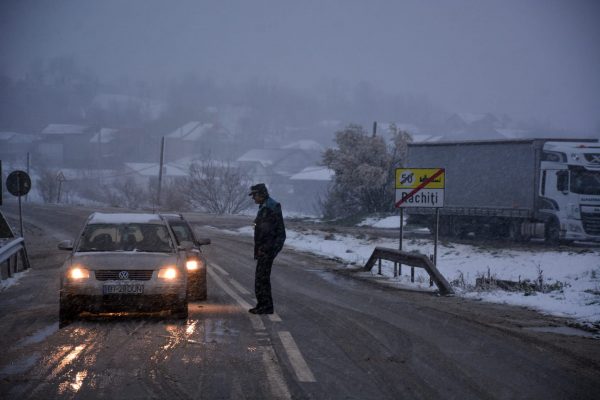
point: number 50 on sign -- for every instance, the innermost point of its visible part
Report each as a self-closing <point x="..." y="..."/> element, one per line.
<point x="420" y="187"/>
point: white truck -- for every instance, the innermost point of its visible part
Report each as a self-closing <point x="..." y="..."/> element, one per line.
<point x="520" y="189"/>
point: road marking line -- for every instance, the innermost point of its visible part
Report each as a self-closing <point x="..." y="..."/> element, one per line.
<point x="238" y="286"/>
<point x="275" y="317"/>
<point x="278" y="386"/>
<point x="303" y="372"/>
<point x="255" y="319"/>
<point x="221" y="270"/>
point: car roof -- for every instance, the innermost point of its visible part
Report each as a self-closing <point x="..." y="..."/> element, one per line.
<point x="172" y="216"/>
<point x="124" y="218"/>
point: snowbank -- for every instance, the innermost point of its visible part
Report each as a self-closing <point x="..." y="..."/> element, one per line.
<point x="574" y="275"/>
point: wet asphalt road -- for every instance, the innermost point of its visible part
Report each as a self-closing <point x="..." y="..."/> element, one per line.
<point x="334" y="336"/>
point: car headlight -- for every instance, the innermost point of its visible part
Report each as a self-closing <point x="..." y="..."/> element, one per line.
<point x="168" y="273"/>
<point x="78" y="273"/>
<point x="193" y="264"/>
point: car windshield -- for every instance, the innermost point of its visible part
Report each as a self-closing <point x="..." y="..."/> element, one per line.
<point x="182" y="232"/>
<point x="153" y="238"/>
<point x="585" y="182"/>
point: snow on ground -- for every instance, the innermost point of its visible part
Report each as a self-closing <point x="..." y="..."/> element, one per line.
<point x="389" y="222"/>
<point x="13" y="280"/>
<point x="573" y="274"/>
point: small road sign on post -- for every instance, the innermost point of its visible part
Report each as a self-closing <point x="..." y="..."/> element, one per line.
<point x="420" y="187"/>
<point x="18" y="184"/>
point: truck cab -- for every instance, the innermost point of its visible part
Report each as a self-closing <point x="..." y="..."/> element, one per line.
<point x="570" y="190"/>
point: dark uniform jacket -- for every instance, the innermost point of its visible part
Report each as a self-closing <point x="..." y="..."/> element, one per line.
<point x="269" y="230"/>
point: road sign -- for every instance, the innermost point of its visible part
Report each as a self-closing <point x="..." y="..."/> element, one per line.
<point x="18" y="183"/>
<point x="420" y="187"/>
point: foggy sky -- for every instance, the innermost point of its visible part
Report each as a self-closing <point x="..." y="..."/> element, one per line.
<point x="532" y="59"/>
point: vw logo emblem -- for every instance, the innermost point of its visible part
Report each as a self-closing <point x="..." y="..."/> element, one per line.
<point x="123" y="275"/>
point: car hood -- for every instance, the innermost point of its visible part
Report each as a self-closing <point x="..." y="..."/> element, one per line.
<point x="124" y="260"/>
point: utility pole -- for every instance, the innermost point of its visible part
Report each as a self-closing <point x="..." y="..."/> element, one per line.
<point x="160" y="171"/>
<point x="28" y="173"/>
<point x="374" y="128"/>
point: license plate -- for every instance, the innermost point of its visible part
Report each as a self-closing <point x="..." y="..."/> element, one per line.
<point x="123" y="289"/>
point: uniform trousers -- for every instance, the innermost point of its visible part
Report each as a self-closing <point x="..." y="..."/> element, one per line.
<point x="262" y="283"/>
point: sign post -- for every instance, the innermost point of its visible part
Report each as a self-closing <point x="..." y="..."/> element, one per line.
<point x="420" y="187"/>
<point x="18" y="184"/>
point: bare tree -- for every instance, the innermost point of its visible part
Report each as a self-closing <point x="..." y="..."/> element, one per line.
<point x="174" y="194"/>
<point x="47" y="184"/>
<point x="218" y="187"/>
<point x="130" y="193"/>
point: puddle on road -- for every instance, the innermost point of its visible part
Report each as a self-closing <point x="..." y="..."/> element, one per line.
<point x="20" y="365"/>
<point x="38" y="336"/>
<point x="73" y="385"/>
<point x="564" y="330"/>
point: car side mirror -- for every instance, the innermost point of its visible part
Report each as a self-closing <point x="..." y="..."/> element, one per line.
<point x="186" y="245"/>
<point x="66" y="245"/>
<point x="203" y="241"/>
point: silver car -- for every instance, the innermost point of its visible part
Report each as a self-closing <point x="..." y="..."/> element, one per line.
<point x="196" y="261"/>
<point x="123" y="262"/>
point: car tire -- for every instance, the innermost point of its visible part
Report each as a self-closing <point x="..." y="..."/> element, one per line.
<point x="180" y="310"/>
<point x="202" y="287"/>
<point x="66" y="313"/>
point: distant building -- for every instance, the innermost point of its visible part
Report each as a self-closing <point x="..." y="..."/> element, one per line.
<point x="105" y="145"/>
<point x="66" y="145"/>
<point x="15" y="146"/>
<point x="273" y="164"/>
<point x="309" y="187"/>
<point x="275" y="167"/>
<point x="147" y="173"/>
<point x="196" y="138"/>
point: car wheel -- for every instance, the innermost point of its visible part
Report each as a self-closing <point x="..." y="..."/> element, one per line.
<point x="66" y="313"/>
<point x="180" y="311"/>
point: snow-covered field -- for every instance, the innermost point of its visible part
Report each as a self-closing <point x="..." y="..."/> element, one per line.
<point x="570" y="278"/>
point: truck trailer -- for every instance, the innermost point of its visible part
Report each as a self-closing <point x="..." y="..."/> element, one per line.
<point x="518" y="189"/>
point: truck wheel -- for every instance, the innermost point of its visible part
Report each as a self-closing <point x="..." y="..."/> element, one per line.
<point x="458" y="230"/>
<point x="552" y="231"/>
<point x="514" y="231"/>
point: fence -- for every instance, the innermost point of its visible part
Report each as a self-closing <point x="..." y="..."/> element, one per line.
<point x="413" y="260"/>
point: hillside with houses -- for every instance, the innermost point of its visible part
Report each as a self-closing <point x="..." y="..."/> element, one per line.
<point x="83" y="157"/>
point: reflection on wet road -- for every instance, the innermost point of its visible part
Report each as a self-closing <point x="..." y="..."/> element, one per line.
<point x="332" y="337"/>
<point x="133" y="357"/>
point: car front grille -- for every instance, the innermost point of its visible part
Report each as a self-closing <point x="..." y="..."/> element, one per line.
<point x="591" y="223"/>
<point x="133" y="274"/>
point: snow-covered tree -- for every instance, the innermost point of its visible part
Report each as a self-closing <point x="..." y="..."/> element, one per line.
<point x="364" y="168"/>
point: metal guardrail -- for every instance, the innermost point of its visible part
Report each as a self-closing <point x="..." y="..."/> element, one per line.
<point x="413" y="260"/>
<point x="13" y="257"/>
<point x="13" y="254"/>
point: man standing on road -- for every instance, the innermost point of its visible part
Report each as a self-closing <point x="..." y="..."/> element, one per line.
<point x="269" y="235"/>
